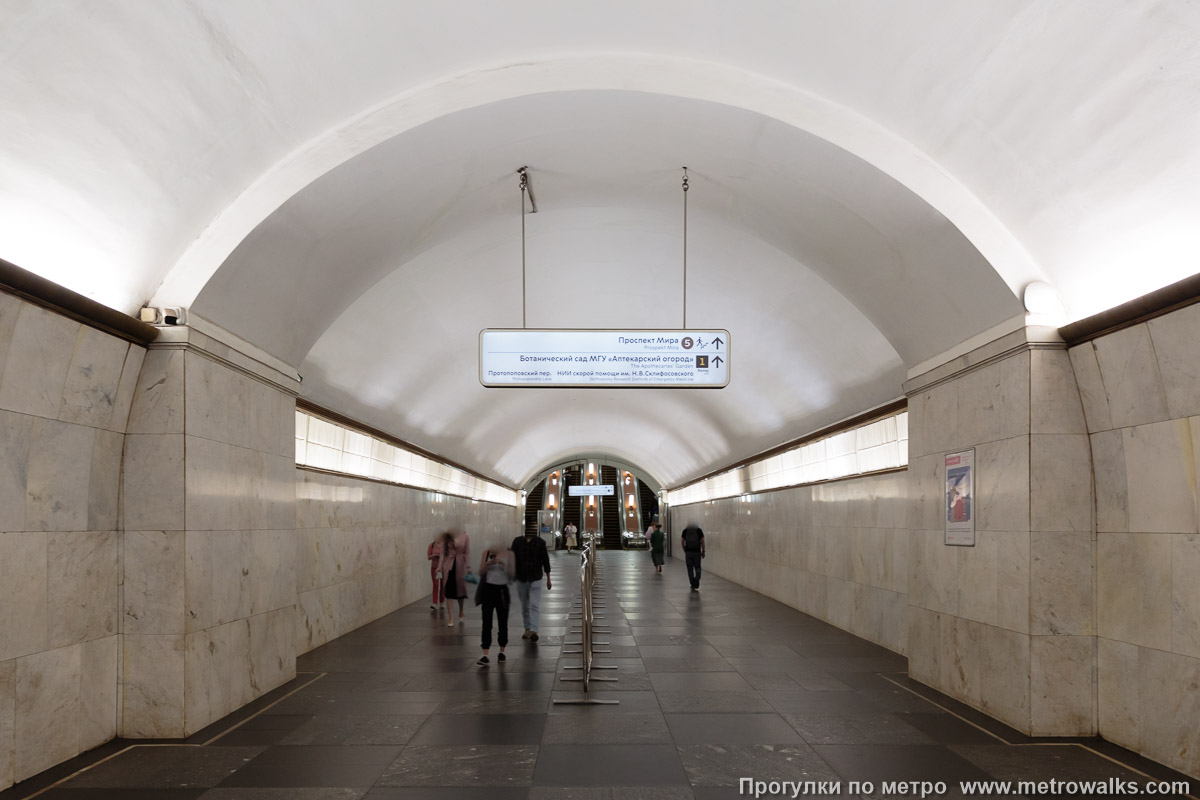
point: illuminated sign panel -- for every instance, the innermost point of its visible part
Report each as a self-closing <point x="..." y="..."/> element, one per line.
<point x="604" y="358"/>
<point x="587" y="491"/>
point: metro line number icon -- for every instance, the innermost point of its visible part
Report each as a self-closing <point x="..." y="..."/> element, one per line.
<point x="687" y="343"/>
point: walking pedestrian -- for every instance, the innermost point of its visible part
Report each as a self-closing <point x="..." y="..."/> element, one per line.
<point x="531" y="559"/>
<point x="693" y="552"/>
<point x="657" y="540"/>
<point x="454" y="572"/>
<point x="434" y="554"/>
<point x="495" y="571"/>
<point x="572" y="534"/>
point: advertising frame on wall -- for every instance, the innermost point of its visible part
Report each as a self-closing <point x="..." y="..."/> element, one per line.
<point x="960" y="498"/>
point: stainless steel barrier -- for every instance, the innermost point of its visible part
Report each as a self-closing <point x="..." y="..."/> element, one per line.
<point x="587" y="642"/>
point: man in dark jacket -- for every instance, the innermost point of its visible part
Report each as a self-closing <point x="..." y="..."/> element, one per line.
<point x="693" y="551"/>
<point x="529" y="553"/>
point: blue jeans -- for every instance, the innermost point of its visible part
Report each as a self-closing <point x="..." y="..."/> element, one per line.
<point x="530" y="593"/>
<point x="692" y="557"/>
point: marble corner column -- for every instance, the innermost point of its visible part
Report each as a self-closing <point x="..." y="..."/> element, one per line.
<point x="1007" y="626"/>
<point x="209" y="555"/>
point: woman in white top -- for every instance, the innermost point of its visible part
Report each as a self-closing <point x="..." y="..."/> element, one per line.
<point x="496" y="570"/>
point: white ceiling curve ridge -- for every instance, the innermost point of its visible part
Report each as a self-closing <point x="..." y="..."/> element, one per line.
<point x="602" y="160"/>
<point x="669" y="77"/>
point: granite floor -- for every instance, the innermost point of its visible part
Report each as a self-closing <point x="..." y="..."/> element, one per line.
<point x="713" y="686"/>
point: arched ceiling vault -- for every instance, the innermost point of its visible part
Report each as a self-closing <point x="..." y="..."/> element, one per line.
<point x="872" y="185"/>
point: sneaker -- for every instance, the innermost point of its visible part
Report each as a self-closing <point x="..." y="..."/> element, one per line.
<point x="526" y="634"/>
<point x="433" y="608"/>
<point x="501" y="657"/>
<point x="533" y="637"/>
<point x="483" y="661"/>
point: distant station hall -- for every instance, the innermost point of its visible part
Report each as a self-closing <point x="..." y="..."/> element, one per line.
<point x="599" y="401"/>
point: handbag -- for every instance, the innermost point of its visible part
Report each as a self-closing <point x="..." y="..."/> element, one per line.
<point x="471" y="577"/>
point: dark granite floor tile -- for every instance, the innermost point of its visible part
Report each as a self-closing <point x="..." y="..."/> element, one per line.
<point x="770" y="681"/>
<point x="305" y="775"/>
<point x="714" y="728"/>
<point x="879" y="762"/>
<point x="328" y="754"/>
<point x="608" y="765"/>
<point x="688" y="651"/>
<point x="711" y="681"/>
<point x="166" y="767"/>
<point x="703" y="700"/>
<point x="292" y="793"/>
<point x="120" y="794"/>
<point x="887" y="663"/>
<point x="497" y="678"/>
<point x="449" y="793"/>
<point x="1043" y="763"/>
<point x="397" y="703"/>
<point x="809" y="702"/>
<point x="725" y="764"/>
<point x="624" y="683"/>
<point x="825" y="727"/>
<point x="652" y="793"/>
<point x="687" y="665"/>
<point x="350" y="729"/>
<point x="494" y="703"/>
<point x="632" y="728"/>
<point x="462" y="765"/>
<point x="481" y="729"/>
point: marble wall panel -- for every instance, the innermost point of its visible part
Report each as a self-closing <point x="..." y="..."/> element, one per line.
<point x="1131" y="378"/>
<point x="35" y="369"/>
<point x="104" y="489"/>
<point x="1111" y="486"/>
<point x="1055" y="405"/>
<point x="209" y="672"/>
<point x="126" y="387"/>
<point x="93" y="379"/>
<point x="961" y="659"/>
<point x="10" y="308"/>
<point x="1174" y="337"/>
<point x="1063" y="685"/>
<point x="152" y="687"/>
<point x="1118" y="696"/>
<point x="993" y="402"/>
<point x="98" y="691"/>
<point x="1091" y="387"/>
<point x="978" y="579"/>
<point x="83" y="571"/>
<point x="1001" y="486"/>
<point x="153" y="482"/>
<point x="1185" y="594"/>
<point x="924" y="645"/>
<point x="58" y="484"/>
<point x="1003" y="675"/>
<point x="158" y="399"/>
<point x="153" y="582"/>
<point x="16" y="437"/>
<point x="8" y="697"/>
<point x="1061" y="583"/>
<point x="1013" y="569"/>
<point x="939" y="420"/>
<point x="1161" y="485"/>
<point x="1168" y="728"/>
<point x="48" y="710"/>
<point x="1060" y="486"/>
<point x="1133" y="598"/>
<point x="23" y="593"/>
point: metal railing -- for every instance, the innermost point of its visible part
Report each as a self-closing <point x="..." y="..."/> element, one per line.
<point x="587" y="631"/>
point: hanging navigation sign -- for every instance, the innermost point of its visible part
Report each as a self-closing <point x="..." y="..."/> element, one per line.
<point x="604" y="358"/>
<point x="591" y="491"/>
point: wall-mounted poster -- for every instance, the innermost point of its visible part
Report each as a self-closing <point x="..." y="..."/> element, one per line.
<point x="960" y="498"/>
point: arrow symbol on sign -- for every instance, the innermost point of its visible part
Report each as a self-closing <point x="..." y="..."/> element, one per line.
<point x="717" y="361"/>
<point x="717" y="342"/>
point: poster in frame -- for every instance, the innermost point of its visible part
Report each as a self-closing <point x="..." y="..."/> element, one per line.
<point x="960" y="498"/>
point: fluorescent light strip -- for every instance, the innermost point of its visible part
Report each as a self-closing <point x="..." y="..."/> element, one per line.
<point x="328" y="446"/>
<point x="876" y="446"/>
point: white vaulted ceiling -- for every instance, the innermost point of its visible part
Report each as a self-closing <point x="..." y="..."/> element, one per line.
<point x="872" y="184"/>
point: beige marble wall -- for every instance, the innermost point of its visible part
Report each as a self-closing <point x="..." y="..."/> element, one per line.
<point x="210" y="551"/>
<point x="838" y="551"/>
<point x="65" y="394"/>
<point x="1008" y="625"/>
<point x="1141" y="390"/>
<point x="361" y="548"/>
